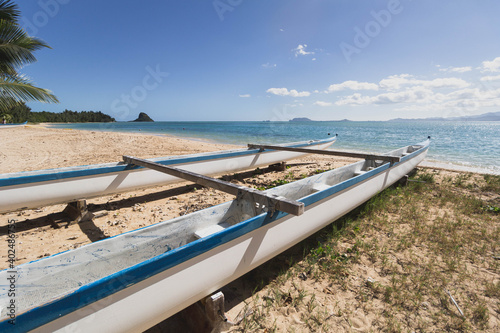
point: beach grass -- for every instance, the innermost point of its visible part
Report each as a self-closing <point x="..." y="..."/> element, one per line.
<point x="421" y="257"/>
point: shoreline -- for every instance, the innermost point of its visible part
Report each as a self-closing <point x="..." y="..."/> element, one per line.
<point x="448" y="166"/>
<point x="190" y="138"/>
<point x="430" y="164"/>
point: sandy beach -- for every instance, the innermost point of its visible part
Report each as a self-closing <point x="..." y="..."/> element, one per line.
<point x="38" y="147"/>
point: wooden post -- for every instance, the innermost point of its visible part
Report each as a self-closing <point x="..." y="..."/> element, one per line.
<point x="78" y="212"/>
<point x="273" y="202"/>
<point x="403" y="181"/>
<point x="278" y="166"/>
<point x="214" y="308"/>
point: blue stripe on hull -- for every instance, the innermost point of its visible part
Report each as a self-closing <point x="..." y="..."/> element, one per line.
<point x="53" y="174"/>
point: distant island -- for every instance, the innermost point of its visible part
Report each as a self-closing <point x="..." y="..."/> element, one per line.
<point x="143" y="117"/>
<point x="300" y="119"/>
<point x="490" y="116"/>
<point x="307" y="119"/>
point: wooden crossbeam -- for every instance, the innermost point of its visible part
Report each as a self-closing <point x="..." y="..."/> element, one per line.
<point x="391" y="159"/>
<point x="273" y="201"/>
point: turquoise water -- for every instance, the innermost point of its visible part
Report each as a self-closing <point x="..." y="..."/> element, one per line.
<point x="468" y="144"/>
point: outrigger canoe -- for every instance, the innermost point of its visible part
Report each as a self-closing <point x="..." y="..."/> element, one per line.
<point x="130" y="282"/>
<point x="33" y="189"/>
<point x="13" y="125"/>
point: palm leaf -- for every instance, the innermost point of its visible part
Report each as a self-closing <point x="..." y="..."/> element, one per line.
<point x="16" y="50"/>
<point x="9" y="11"/>
<point x="16" y="47"/>
<point x="18" y="89"/>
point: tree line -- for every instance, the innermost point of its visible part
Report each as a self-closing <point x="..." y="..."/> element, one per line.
<point x="22" y="113"/>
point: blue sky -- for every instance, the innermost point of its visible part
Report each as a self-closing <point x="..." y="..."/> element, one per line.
<point x="267" y="60"/>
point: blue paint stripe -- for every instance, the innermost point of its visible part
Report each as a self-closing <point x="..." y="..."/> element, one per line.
<point x="53" y="174"/>
<point x="144" y="270"/>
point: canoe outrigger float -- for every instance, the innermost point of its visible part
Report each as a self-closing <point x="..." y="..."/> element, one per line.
<point x="34" y="189"/>
<point x="130" y="282"/>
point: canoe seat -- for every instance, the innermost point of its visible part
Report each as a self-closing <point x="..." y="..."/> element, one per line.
<point x="210" y="230"/>
<point x="320" y="187"/>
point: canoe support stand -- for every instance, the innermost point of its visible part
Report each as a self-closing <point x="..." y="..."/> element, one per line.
<point x="278" y="166"/>
<point x="206" y="315"/>
<point x="214" y="308"/>
<point x="77" y="211"/>
<point x="272" y="202"/>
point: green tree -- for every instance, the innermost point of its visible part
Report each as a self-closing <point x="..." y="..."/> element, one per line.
<point x="17" y="114"/>
<point x="16" y="50"/>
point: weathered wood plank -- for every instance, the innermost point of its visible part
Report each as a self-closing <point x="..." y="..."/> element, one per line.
<point x="275" y="202"/>
<point x="391" y="159"/>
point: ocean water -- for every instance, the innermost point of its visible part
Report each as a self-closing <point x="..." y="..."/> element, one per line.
<point x="473" y="145"/>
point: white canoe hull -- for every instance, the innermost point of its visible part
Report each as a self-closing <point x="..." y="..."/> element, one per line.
<point x="48" y="187"/>
<point x="201" y="267"/>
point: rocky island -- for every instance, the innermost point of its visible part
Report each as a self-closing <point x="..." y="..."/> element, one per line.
<point x="143" y="117"/>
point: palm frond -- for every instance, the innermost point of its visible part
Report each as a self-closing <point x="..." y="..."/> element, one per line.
<point x="15" y="89"/>
<point x="9" y="11"/>
<point x="16" y="47"/>
<point x="16" y="50"/>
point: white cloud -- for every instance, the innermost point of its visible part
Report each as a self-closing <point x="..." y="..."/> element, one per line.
<point x="396" y="82"/>
<point x="268" y="65"/>
<point x="490" y="78"/>
<point x="410" y="95"/>
<point x="492" y="66"/>
<point x="352" y="85"/>
<point x="456" y="69"/>
<point x="414" y="95"/>
<point x="245" y="95"/>
<point x="449" y="82"/>
<point x="286" y="92"/>
<point x="354" y="99"/>
<point x="473" y="99"/>
<point x="301" y="50"/>
<point x="469" y="93"/>
<point x="321" y="103"/>
<point x="425" y="98"/>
